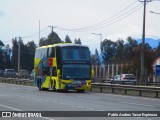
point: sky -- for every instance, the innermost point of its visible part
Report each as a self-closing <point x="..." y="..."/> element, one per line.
<point x="113" y="19"/>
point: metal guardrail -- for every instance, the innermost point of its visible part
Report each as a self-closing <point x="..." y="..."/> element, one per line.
<point x="146" y="91"/>
<point x="17" y="81"/>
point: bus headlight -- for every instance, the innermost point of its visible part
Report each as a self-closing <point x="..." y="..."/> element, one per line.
<point x="87" y="84"/>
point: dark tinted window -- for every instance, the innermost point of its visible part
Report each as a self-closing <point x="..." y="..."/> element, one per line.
<point x="58" y="56"/>
<point x="72" y="53"/>
<point x="130" y="77"/>
<point x="54" y="71"/>
<point x="51" y="52"/>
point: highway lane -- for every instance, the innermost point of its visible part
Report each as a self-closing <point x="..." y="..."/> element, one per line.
<point x="28" y="98"/>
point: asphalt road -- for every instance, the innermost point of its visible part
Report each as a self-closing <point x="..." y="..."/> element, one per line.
<point x="29" y="98"/>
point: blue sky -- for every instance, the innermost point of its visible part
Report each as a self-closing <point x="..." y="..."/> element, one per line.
<point x="119" y="19"/>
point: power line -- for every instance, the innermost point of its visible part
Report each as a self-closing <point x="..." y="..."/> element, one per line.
<point x="52" y="27"/>
<point x="104" y="23"/>
<point x="110" y="22"/>
<point x="119" y="19"/>
<point x="35" y="34"/>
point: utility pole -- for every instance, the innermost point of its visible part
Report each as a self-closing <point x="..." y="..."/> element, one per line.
<point x="143" y="39"/>
<point x="39" y="29"/>
<point x="52" y="27"/>
<point x="19" y="49"/>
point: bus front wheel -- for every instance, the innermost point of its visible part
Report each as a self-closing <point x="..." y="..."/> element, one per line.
<point x="39" y="84"/>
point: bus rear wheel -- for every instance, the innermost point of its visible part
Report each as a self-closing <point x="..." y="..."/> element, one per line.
<point x="54" y="86"/>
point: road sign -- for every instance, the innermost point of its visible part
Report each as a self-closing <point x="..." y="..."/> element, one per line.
<point x="157" y="70"/>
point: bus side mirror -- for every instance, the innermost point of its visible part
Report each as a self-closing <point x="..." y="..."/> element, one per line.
<point x="58" y="72"/>
<point x="92" y="73"/>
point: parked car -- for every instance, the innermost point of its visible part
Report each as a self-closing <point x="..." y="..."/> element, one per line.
<point x="32" y="75"/>
<point x="22" y="74"/>
<point x="1" y="73"/>
<point x="124" y="79"/>
<point x="9" y="73"/>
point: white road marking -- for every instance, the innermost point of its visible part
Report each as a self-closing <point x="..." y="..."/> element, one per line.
<point x="95" y="98"/>
<point x="12" y="108"/>
<point x="47" y="118"/>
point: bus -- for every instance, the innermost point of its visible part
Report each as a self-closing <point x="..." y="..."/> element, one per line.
<point x="63" y="67"/>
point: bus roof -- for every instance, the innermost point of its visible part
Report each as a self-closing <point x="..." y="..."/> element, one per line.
<point x="62" y="45"/>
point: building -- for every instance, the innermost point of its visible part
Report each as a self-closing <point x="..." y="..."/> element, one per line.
<point x="156" y="62"/>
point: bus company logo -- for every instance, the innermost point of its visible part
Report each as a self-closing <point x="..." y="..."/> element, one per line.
<point x="6" y="114"/>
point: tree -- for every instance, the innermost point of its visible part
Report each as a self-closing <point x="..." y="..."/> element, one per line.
<point x="24" y="56"/>
<point x="129" y="48"/>
<point x="77" y="41"/>
<point x="42" y="42"/>
<point x="1" y="56"/>
<point x="95" y="60"/>
<point x="2" y="59"/>
<point x="7" y="56"/>
<point x="4" y="55"/>
<point x="67" y="39"/>
<point x="1" y="43"/>
<point x="120" y="50"/>
<point x="53" y="38"/>
<point x="108" y="50"/>
<point x="31" y="46"/>
<point x="27" y="52"/>
<point x="14" y="60"/>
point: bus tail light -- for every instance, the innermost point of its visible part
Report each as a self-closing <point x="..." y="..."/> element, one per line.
<point x="82" y="82"/>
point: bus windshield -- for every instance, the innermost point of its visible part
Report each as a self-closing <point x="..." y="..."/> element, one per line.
<point x="75" y="71"/>
<point x="75" y="53"/>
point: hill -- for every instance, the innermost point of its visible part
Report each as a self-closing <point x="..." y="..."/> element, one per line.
<point x="153" y="43"/>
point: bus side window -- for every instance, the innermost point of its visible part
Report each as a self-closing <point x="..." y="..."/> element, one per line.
<point x="37" y="53"/>
<point x="51" y="52"/>
<point x="54" y="72"/>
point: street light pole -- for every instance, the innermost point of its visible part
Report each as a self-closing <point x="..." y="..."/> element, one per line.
<point x="143" y="40"/>
<point x="100" y="38"/>
<point x="99" y="35"/>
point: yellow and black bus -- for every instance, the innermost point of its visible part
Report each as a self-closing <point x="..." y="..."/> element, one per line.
<point x="63" y="67"/>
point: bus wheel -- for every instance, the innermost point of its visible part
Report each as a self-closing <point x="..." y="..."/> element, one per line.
<point x="54" y="86"/>
<point x="39" y="84"/>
